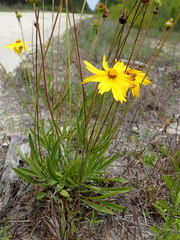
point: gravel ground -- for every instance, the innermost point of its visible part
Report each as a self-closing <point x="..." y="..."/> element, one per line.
<point x="10" y="31"/>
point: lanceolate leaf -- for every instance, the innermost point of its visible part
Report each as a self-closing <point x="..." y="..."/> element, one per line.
<point x="98" y="207"/>
<point x="51" y="171"/>
<point x="120" y="190"/>
<point x="113" y="206"/>
<point x="116" y="179"/>
<point x="29" y="172"/>
<point x="104" y="195"/>
<point x="22" y="175"/>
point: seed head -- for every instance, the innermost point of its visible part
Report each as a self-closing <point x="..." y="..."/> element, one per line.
<point x="106" y="12"/>
<point x="123" y="18"/>
<point x="100" y="7"/>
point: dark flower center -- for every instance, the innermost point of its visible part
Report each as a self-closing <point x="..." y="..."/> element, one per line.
<point x="112" y="73"/>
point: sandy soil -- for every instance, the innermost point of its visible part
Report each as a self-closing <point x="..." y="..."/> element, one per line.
<point x="10" y="31"/>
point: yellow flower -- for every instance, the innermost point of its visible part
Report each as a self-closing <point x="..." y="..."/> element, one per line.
<point x="18" y="46"/>
<point x="137" y="79"/>
<point x="110" y="79"/>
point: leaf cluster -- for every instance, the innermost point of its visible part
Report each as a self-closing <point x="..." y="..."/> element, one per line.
<point x="170" y="210"/>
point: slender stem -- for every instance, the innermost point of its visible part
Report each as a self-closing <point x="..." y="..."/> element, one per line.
<point x="118" y="38"/>
<point x="44" y="71"/>
<point x="136" y="15"/>
<point x="142" y="20"/>
<point x="103" y="124"/>
<point x="143" y="39"/>
<point x="95" y="123"/>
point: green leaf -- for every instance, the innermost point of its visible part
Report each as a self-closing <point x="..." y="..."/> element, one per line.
<point x="160" y="210"/>
<point x="113" y="206"/>
<point x="64" y="193"/>
<point x="178" y="198"/>
<point x="98" y="207"/>
<point x="107" y="163"/>
<point x="22" y="175"/>
<point x="116" y="179"/>
<point x="170" y="182"/>
<point x="103" y="196"/>
<point x="120" y="190"/>
<point x="32" y="147"/>
<point x="56" y="106"/>
<point x="155" y="229"/>
<point x="40" y="195"/>
<point x="79" y="132"/>
<point x="29" y="172"/>
<point x="163" y="204"/>
<point x="94" y="188"/>
<point x="51" y="171"/>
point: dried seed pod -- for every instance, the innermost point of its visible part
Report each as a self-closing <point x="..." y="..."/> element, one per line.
<point x="106" y="12"/>
<point x="145" y="1"/>
<point x="100" y="7"/>
<point x="156" y="11"/>
<point x="123" y="18"/>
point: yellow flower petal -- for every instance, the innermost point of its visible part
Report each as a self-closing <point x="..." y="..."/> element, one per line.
<point x="94" y="78"/>
<point x="119" y="66"/>
<point x="18" y="46"/>
<point x="91" y="68"/>
<point x="119" y="92"/>
<point x="105" y="63"/>
<point x="135" y="91"/>
<point x="105" y="86"/>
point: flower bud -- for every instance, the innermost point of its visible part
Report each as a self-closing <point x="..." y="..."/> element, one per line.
<point x="157" y="3"/>
<point x="95" y="25"/>
<point x="18" y="15"/>
<point x="169" y="24"/>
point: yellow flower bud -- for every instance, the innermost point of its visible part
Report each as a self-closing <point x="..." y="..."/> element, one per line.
<point x="18" y="15"/>
<point x="157" y="3"/>
<point x="95" y="23"/>
<point x="169" y="24"/>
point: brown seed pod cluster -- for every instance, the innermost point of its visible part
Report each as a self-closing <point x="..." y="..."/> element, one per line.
<point x="101" y="7"/>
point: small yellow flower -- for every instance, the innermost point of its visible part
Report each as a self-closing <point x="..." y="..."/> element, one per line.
<point x="113" y="79"/>
<point x="137" y="79"/>
<point x="18" y="46"/>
